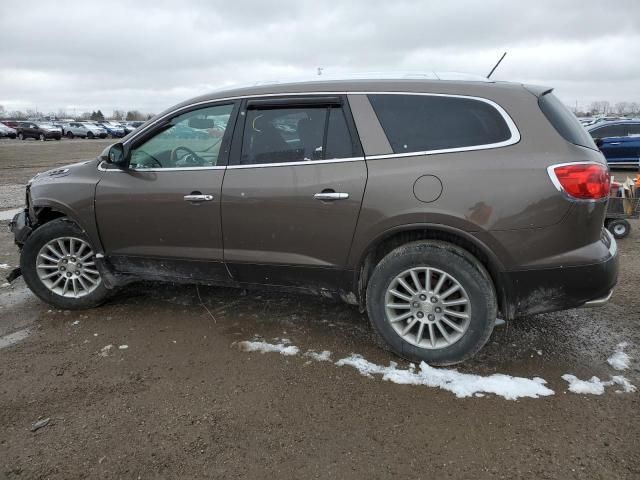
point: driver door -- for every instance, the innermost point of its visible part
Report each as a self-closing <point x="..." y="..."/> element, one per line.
<point x="160" y="218"/>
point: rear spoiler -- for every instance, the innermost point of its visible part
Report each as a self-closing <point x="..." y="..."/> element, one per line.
<point x="538" y="90"/>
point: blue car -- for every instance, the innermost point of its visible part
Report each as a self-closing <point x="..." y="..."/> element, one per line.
<point x="619" y="141"/>
<point x="113" y="129"/>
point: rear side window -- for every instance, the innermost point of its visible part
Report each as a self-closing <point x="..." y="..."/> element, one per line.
<point x="609" y="131"/>
<point x="634" y="129"/>
<point x="416" y="123"/>
<point x="564" y="121"/>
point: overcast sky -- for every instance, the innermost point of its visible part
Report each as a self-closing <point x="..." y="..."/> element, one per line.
<point x="148" y="55"/>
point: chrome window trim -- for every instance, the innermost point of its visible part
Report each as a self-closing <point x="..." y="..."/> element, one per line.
<point x="171" y="169"/>
<point x="299" y="163"/>
<point x="513" y="129"/>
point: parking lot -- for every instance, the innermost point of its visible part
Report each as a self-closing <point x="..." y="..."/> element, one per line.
<point x="159" y="384"/>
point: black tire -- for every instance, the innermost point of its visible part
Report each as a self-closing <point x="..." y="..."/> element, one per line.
<point x="56" y="229"/>
<point x="89" y="135"/>
<point x="460" y="264"/>
<point x="41" y="137"/>
<point x="70" y="135"/>
<point x="58" y="138"/>
<point x="619" y="228"/>
<point x="21" y="136"/>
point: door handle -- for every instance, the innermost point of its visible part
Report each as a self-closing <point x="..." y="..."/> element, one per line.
<point x="198" y="198"/>
<point x="331" y="196"/>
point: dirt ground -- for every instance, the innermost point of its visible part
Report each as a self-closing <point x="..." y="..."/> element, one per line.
<point x="183" y="401"/>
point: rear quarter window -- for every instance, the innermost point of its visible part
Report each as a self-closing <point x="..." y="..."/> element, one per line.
<point x="564" y="121"/>
<point x="417" y="123"/>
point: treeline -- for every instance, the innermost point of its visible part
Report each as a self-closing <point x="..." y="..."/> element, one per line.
<point x="130" y="115"/>
<point x="603" y="107"/>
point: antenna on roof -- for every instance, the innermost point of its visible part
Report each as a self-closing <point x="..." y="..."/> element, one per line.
<point x="496" y="65"/>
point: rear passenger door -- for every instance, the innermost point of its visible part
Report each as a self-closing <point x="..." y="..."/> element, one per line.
<point x="292" y="191"/>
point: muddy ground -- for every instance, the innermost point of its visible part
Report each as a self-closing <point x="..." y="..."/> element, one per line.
<point x="183" y="401"/>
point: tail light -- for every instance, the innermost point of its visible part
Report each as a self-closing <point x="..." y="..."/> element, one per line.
<point x="581" y="180"/>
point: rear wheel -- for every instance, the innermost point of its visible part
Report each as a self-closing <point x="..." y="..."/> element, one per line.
<point x="21" y="136"/>
<point x="89" y="135"/>
<point x="69" y="135"/>
<point x="619" y="227"/>
<point x="58" y="265"/>
<point x="432" y="301"/>
<point x="41" y="137"/>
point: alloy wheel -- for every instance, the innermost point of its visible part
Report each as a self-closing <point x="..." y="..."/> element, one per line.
<point x="66" y="267"/>
<point x="428" y="308"/>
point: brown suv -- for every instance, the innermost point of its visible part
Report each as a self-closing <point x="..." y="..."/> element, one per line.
<point x="435" y="205"/>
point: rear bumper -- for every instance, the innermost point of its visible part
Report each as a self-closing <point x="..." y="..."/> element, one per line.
<point x="563" y="287"/>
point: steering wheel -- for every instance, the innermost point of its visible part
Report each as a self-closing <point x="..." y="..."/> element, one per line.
<point x="191" y="158"/>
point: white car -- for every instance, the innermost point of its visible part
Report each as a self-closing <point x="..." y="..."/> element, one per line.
<point x="84" y="130"/>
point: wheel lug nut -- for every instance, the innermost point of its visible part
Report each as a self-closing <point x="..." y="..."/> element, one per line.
<point x="68" y="274"/>
<point x="431" y="317"/>
<point x="434" y="299"/>
<point x="416" y="304"/>
<point x="420" y="314"/>
<point x="73" y="259"/>
<point x="62" y="269"/>
<point x="423" y="297"/>
<point x="64" y="261"/>
<point x="438" y="310"/>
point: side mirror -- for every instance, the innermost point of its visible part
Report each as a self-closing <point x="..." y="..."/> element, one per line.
<point x="116" y="155"/>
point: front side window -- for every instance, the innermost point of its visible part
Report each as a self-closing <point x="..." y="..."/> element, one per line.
<point x="295" y="134"/>
<point x="193" y="139"/>
<point x="417" y="123"/>
<point x="634" y="129"/>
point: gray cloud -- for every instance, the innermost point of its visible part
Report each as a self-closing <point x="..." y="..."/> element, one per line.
<point x="151" y="54"/>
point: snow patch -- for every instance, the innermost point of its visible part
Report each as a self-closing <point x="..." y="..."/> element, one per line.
<point x="461" y="384"/>
<point x="283" y="348"/>
<point x="620" y="360"/>
<point x="595" y="386"/>
<point x="4" y="266"/>
<point x="104" y="351"/>
<point x="13" y="338"/>
<point x="9" y="214"/>
<point x="123" y="347"/>
<point x="324" y="356"/>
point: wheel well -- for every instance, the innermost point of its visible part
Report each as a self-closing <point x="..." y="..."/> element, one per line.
<point x="384" y="246"/>
<point x="46" y="214"/>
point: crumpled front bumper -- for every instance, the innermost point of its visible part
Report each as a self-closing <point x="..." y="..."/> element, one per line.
<point x="21" y="227"/>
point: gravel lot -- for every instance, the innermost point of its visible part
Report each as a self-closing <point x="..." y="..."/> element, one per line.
<point x="183" y="400"/>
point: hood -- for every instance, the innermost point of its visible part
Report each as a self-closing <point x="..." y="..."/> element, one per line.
<point x="60" y="172"/>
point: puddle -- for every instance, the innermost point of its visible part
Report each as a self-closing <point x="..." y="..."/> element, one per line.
<point x="14" y="338"/>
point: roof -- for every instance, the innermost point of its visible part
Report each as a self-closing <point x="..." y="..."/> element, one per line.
<point x="440" y="82"/>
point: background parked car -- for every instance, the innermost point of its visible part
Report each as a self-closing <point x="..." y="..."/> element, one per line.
<point x="130" y="126"/>
<point x="619" y="141"/>
<point x="6" y="131"/>
<point x="84" y="130"/>
<point x="39" y="131"/>
<point x="113" y="129"/>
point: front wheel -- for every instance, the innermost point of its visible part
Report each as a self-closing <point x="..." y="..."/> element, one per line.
<point x="20" y="136"/>
<point x="432" y="301"/>
<point x="41" y="137"/>
<point x="89" y="135"/>
<point x="58" y="265"/>
<point x="70" y="135"/>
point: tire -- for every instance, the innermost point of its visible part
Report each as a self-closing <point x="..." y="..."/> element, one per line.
<point x="77" y="298"/>
<point x="70" y="135"/>
<point x="41" y="137"/>
<point x="90" y="135"/>
<point x="619" y="228"/>
<point x="457" y="266"/>
<point x="21" y="136"/>
<point x="58" y="138"/>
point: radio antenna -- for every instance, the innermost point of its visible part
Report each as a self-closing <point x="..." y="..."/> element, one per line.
<point x="496" y="65"/>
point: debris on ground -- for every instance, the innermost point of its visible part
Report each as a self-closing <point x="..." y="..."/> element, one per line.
<point x="40" y="424"/>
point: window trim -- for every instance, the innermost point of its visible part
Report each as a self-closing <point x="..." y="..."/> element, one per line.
<point x="515" y="133"/>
